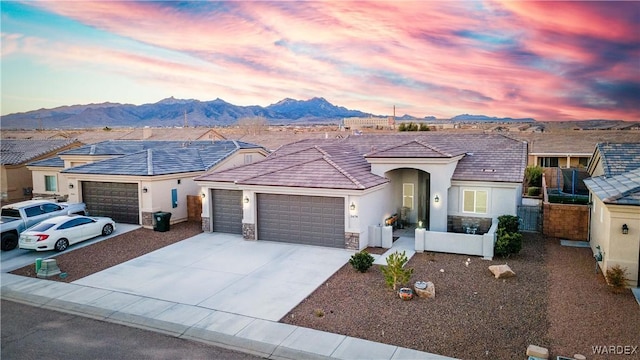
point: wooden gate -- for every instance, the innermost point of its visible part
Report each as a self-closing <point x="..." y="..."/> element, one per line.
<point x="194" y="207"/>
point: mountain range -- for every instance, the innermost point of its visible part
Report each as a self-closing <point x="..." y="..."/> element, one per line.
<point x="179" y="112"/>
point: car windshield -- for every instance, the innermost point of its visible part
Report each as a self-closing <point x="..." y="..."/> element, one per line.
<point x="11" y="212"/>
<point x="42" y="227"/>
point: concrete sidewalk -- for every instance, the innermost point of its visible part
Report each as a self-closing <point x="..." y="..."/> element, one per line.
<point x="261" y="337"/>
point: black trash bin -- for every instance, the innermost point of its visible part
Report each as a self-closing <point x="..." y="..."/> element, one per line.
<point x="161" y="221"/>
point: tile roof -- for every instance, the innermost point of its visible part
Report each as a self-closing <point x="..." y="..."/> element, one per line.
<point x="621" y="189"/>
<point x="574" y="142"/>
<point x="55" y="161"/>
<point x="148" y="158"/>
<point x="14" y="152"/>
<point x="342" y="163"/>
<point x="618" y="158"/>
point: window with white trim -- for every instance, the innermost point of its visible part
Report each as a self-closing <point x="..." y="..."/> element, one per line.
<point x="474" y="201"/>
<point x="50" y="183"/>
<point x="407" y="195"/>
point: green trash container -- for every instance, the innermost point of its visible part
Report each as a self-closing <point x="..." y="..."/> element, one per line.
<point x="161" y="221"/>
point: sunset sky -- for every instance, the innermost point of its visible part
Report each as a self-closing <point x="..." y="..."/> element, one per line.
<point x="545" y="60"/>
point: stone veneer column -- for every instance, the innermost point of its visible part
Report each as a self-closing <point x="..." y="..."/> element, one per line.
<point x="147" y="219"/>
<point x="206" y="224"/>
<point x="249" y="231"/>
<point x="351" y="241"/>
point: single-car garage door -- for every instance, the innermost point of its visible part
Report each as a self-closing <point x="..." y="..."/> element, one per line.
<point x="227" y="211"/>
<point x="312" y="220"/>
<point x="118" y="201"/>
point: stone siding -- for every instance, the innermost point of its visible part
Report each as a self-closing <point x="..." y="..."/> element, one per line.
<point x="352" y="241"/>
<point x="565" y="221"/>
<point x="147" y="219"/>
<point x="206" y="224"/>
<point x="249" y="231"/>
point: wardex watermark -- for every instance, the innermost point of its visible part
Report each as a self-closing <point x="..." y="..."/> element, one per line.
<point x="615" y="349"/>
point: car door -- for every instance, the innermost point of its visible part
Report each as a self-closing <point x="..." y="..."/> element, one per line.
<point x="33" y="215"/>
<point x="88" y="227"/>
<point x="71" y="230"/>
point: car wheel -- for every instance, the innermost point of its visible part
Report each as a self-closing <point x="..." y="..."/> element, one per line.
<point x="107" y="229"/>
<point x="9" y="241"/>
<point x="62" y="245"/>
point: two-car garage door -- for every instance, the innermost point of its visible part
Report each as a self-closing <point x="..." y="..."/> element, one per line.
<point x="312" y="220"/>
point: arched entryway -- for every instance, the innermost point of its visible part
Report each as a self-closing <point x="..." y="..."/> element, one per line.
<point x="411" y="191"/>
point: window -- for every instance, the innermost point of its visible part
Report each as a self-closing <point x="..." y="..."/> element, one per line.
<point x="583" y="161"/>
<point x="34" y="211"/>
<point x="548" y="162"/>
<point x="407" y="196"/>
<point x="47" y="208"/>
<point x="474" y="201"/>
<point x="50" y="183"/>
<point x="174" y="198"/>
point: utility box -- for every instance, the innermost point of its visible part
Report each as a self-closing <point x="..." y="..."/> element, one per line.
<point x="161" y="221"/>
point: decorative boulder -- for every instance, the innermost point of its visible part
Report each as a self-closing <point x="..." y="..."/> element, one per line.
<point x="425" y="289"/>
<point x="537" y="352"/>
<point x="405" y="293"/>
<point x="501" y="271"/>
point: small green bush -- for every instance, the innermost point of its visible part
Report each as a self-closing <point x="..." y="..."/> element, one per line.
<point x="395" y="273"/>
<point x="361" y="261"/>
<point x="617" y="278"/>
<point x="509" y="223"/>
<point x="533" y="175"/>
<point x="509" y="240"/>
<point x="533" y="191"/>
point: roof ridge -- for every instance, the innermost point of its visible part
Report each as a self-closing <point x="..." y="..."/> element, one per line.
<point x="432" y="147"/>
<point x="323" y="151"/>
<point x="149" y="161"/>
<point x="343" y="172"/>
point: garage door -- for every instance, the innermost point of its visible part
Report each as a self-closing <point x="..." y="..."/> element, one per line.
<point x="118" y="201"/>
<point x="227" y="211"/>
<point x="311" y="220"/>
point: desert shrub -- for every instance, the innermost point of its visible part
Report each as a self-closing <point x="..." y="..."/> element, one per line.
<point x="507" y="243"/>
<point x="533" y="175"/>
<point x="617" y="278"/>
<point x="533" y="191"/>
<point x="424" y="127"/>
<point x="395" y="273"/>
<point x="509" y="223"/>
<point x="361" y="261"/>
<point x="509" y="239"/>
<point x="318" y="313"/>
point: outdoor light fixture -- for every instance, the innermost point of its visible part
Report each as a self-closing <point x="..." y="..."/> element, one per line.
<point x="352" y="206"/>
<point x="625" y="229"/>
<point x="436" y="199"/>
<point x="70" y="186"/>
<point x="144" y="189"/>
<point x="246" y="199"/>
<point x="203" y="195"/>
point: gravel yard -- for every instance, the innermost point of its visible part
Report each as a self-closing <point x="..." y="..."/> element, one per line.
<point x="556" y="300"/>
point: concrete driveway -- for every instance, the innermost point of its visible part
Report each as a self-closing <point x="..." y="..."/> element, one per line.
<point x="223" y="272"/>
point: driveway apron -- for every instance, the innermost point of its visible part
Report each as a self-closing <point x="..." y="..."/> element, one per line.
<point x="224" y="272"/>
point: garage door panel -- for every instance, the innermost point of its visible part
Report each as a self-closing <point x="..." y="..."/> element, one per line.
<point x="118" y="201"/>
<point x="311" y="220"/>
<point x="227" y="211"/>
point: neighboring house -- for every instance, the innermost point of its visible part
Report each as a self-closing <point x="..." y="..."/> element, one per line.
<point x="615" y="215"/>
<point x="329" y="192"/>
<point x="569" y="149"/>
<point x="130" y="180"/>
<point x="16" y="181"/>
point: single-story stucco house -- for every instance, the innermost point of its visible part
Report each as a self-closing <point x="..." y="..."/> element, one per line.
<point x="614" y="189"/>
<point x="15" y="177"/>
<point x="130" y="180"/>
<point x="331" y="192"/>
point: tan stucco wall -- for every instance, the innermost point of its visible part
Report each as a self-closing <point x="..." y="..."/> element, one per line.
<point x="606" y="231"/>
<point x="14" y="180"/>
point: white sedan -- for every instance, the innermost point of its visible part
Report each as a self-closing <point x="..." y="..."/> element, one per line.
<point x="57" y="233"/>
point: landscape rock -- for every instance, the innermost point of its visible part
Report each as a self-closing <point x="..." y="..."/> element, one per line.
<point x="538" y="352"/>
<point x="427" y="291"/>
<point x="501" y="271"/>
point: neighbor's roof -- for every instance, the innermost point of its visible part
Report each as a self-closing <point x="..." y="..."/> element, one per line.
<point x="618" y="158"/>
<point x="342" y="163"/>
<point x="148" y="158"/>
<point x="573" y="142"/>
<point x="55" y="161"/>
<point x="14" y="152"/>
<point x="621" y="189"/>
